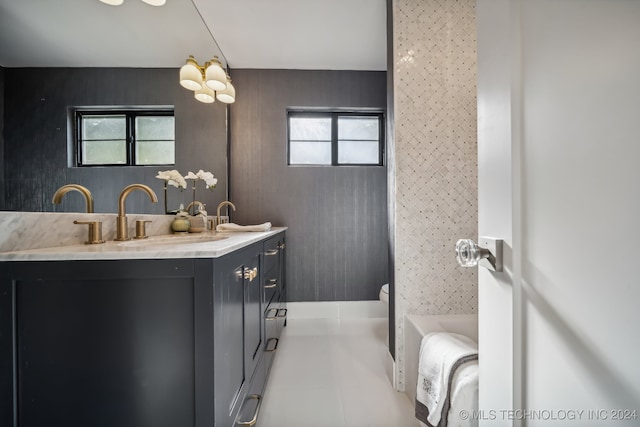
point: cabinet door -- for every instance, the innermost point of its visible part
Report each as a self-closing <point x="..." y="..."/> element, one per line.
<point x="98" y="343"/>
<point x="252" y="313"/>
<point x="228" y="337"/>
<point x="238" y="327"/>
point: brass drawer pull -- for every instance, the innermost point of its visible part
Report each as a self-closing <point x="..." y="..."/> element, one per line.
<point x="253" y="419"/>
<point x="273" y="316"/>
<point x="275" y="346"/>
<point x="280" y="312"/>
<point x="272" y="284"/>
<point x="271" y="252"/>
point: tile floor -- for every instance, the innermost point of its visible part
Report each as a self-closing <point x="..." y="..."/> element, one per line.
<point x="331" y="373"/>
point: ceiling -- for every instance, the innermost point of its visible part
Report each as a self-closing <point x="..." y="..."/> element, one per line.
<point x="278" y="34"/>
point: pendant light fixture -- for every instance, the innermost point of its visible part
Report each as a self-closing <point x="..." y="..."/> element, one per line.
<point x="209" y="82"/>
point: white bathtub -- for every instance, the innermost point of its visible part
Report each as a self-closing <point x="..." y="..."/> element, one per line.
<point x="416" y="327"/>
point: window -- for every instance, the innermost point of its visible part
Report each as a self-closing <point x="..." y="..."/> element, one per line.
<point x="133" y="137"/>
<point x="335" y="138"/>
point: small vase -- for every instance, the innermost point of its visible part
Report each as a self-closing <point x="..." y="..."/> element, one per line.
<point x="180" y="224"/>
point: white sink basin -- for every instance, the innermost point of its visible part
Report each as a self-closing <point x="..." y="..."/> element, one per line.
<point x="172" y="240"/>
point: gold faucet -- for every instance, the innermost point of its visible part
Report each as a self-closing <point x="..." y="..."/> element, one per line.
<point x="122" y="232"/>
<point x="57" y="197"/>
<point x="196" y="203"/>
<point x="226" y="202"/>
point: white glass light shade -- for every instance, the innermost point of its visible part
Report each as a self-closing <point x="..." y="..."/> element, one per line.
<point x="215" y="77"/>
<point x="113" y="2"/>
<point x="190" y="75"/>
<point x="155" y="2"/>
<point x="205" y="95"/>
<point x="228" y="95"/>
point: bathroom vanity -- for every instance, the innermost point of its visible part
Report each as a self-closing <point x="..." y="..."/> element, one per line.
<point x="149" y="333"/>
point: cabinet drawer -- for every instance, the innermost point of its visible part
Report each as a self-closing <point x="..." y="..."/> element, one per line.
<point x="270" y="286"/>
<point x="271" y="321"/>
<point x="272" y="256"/>
<point x="272" y="328"/>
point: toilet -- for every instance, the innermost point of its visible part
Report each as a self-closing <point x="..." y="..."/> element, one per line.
<point x="384" y="293"/>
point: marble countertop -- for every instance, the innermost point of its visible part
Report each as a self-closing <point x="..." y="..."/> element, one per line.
<point x="196" y="245"/>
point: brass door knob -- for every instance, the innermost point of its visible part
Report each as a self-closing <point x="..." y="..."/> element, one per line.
<point x="487" y="253"/>
<point x="251" y="274"/>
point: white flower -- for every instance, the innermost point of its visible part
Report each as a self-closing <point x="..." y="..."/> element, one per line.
<point x="172" y="177"/>
<point x="207" y="177"/>
<point x="191" y="175"/>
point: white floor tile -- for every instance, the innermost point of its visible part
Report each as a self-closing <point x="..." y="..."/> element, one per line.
<point x="362" y="309"/>
<point x="331" y="372"/>
<point x="312" y="327"/>
<point x="301" y="407"/>
<point x="313" y="310"/>
<point x="379" y="407"/>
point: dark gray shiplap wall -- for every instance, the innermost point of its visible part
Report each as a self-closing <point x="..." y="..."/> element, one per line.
<point x="36" y="103"/>
<point x="337" y="216"/>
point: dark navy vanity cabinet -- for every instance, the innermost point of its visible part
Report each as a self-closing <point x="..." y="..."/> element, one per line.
<point x="144" y="342"/>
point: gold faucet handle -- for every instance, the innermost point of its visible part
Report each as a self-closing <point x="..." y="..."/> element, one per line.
<point x="141" y="232"/>
<point x="95" y="231"/>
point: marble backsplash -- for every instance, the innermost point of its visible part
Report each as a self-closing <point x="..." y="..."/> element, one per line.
<point x="33" y="230"/>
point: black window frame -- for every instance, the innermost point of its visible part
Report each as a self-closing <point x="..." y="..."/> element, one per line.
<point x="130" y="117"/>
<point x="335" y="115"/>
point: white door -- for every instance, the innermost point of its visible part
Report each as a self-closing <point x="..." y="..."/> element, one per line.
<point x="559" y="181"/>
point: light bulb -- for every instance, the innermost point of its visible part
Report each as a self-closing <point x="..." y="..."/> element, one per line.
<point x="205" y="95"/>
<point x="190" y="75"/>
<point x="215" y="77"/>
<point x="228" y="95"/>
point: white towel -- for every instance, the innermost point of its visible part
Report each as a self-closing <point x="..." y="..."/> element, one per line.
<point x="464" y="396"/>
<point x="441" y="354"/>
<point x="235" y="227"/>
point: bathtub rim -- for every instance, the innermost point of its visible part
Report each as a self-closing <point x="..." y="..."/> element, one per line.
<point x="417" y="326"/>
